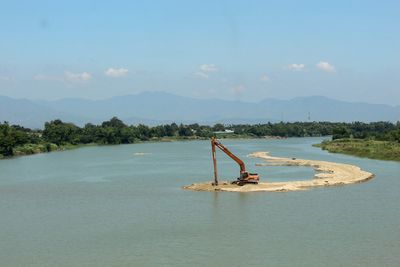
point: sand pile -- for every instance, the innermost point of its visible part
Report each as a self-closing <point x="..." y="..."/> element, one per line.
<point x="327" y="174"/>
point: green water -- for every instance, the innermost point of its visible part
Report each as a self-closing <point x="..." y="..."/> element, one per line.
<point x="106" y="206"/>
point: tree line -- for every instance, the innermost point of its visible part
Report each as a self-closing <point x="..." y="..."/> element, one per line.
<point x="57" y="133"/>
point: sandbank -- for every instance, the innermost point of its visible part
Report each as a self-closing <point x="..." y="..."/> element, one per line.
<point x="326" y="174"/>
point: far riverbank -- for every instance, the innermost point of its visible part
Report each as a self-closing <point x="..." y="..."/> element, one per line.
<point x="383" y="150"/>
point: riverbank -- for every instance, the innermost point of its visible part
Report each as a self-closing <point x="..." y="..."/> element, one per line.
<point x="31" y="149"/>
<point x="326" y="174"/>
<point x="384" y="150"/>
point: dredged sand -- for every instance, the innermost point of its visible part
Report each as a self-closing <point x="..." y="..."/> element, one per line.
<point x="327" y="174"/>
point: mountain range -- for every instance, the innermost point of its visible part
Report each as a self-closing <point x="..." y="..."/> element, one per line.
<point x="153" y="108"/>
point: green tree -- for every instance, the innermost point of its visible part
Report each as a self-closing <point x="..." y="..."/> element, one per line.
<point x="61" y="133"/>
<point x="114" y="122"/>
<point x="184" y="130"/>
<point x="218" y="127"/>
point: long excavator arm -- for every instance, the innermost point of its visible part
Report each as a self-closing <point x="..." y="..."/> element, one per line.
<point x="244" y="177"/>
<point x="218" y="144"/>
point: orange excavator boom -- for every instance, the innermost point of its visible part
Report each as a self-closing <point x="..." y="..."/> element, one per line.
<point x="244" y="176"/>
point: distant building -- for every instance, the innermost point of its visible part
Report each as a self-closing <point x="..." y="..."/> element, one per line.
<point x="225" y="132"/>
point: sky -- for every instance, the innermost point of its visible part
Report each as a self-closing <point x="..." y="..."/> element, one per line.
<point x="228" y="49"/>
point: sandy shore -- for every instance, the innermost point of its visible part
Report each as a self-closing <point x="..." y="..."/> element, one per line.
<point x="326" y="174"/>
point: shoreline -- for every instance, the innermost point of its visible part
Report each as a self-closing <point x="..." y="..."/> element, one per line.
<point x="372" y="149"/>
<point x="326" y="174"/>
<point x="37" y="150"/>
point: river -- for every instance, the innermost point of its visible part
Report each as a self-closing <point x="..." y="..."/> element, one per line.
<point x="124" y="206"/>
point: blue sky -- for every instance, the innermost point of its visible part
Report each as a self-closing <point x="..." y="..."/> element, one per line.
<point x="245" y="50"/>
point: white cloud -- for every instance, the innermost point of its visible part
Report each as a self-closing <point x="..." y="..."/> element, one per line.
<point x="209" y="68"/>
<point x="238" y="89"/>
<point x="115" y="73"/>
<point x="201" y="75"/>
<point x="264" y="78"/>
<point x="77" y="77"/>
<point x="68" y="76"/>
<point x="205" y="71"/>
<point x="296" y="67"/>
<point x="325" y="66"/>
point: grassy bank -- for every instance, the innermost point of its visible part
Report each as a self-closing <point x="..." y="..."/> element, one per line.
<point x="31" y="149"/>
<point x="385" y="150"/>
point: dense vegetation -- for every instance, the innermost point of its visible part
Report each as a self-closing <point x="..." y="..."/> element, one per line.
<point x="379" y="140"/>
<point x="56" y="135"/>
<point x="386" y="150"/>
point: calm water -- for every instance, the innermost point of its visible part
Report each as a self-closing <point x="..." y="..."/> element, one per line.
<point x="106" y="206"/>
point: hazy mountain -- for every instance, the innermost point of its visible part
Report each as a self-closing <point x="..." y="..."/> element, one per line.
<point x="33" y="115"/>
<point x="159" y="107"/>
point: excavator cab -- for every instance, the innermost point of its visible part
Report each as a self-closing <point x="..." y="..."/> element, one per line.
<point x="247" y="178"/>
<point x="244" y="178"/>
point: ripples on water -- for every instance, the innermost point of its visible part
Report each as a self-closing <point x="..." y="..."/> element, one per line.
<point x="123" y="206"/>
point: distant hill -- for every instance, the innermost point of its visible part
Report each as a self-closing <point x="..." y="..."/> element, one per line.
<point x="33" y="115"/>
<point x="160" y="107"/>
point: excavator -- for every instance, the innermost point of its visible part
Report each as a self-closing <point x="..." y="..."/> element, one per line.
<point x="244" y="177"/>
